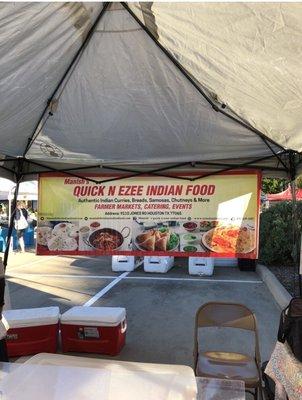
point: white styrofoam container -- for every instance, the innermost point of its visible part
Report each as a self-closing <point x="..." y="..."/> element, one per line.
<point x="201" y="266"/>
<point x="29" y="317"/>
<point x="94" y="316"/>
<point x="158" y="264"/>
<point x="125" y="263"/>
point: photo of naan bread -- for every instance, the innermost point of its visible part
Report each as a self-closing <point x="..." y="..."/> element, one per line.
<point x="43" y="235"/>
<point x="61" y="237"/>
<point x="230" y="239"/>
<point x="157" y="240"/>
<point x="66" y="228"/>
<point x="62" y="243"/>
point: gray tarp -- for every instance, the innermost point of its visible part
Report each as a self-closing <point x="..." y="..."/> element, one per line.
<point x="124" y="102"/>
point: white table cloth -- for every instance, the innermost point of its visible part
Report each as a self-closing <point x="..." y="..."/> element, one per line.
<point x="56" y="377"/>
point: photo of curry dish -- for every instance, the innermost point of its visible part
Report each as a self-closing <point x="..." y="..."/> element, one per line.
<point x="106" y="239"/>
<point x="230" y="239"/>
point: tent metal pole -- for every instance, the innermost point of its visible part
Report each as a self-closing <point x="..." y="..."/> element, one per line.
<point x="6" y="159"/>
<point x="19" y="176"/>
<point x="11" y="222"/>
<point x="232" y="168"/>
<point x="7" y="169"/>
<point x="295" y="233"/>
<point x="197" y="87"/>
<point x="3" y="349"/>
<point x="294" y="219"/>
<point x="32" y="138"/>
<point x="51" y="169"/>
<point x="108" y="167"/>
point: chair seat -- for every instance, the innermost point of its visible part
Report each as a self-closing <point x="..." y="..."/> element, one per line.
<point x="224" y="365"/>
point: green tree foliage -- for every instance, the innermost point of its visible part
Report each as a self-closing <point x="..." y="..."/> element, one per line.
<point x="273" y="185"/>
<point x="276" y="233"/>
<point x="299" y="182"/>
<point x="277" y="185"/>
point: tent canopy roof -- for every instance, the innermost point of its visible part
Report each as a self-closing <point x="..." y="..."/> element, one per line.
<point x="150" y="85"/>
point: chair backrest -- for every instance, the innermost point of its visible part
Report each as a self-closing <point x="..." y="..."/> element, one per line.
<point x="227" y="315"/>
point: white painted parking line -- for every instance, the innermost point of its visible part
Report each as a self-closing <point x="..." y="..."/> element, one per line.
<point x="21" y="275"/>
<point x="213" y="280"/>
<point x="105" y="290"/>
<point x="197" y="279"/>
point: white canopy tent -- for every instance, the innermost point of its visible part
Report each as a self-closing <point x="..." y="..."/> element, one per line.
<point x="151" y="86"/>
<point x="27" y="190"/>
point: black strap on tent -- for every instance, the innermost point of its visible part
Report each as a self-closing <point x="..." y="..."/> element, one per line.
<point x="78" y="54"/>
<point x="179" y="66"/>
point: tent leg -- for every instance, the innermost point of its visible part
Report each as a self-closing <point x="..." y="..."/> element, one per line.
<point x="3" y="347"/>
<point x="300" y="267"/>
<point x="295" y="235"/>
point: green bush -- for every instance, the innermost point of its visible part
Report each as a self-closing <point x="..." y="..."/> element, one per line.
<point x="276" y="234"/>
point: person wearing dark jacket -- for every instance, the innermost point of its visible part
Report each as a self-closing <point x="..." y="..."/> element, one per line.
<point x="21" y="223"/>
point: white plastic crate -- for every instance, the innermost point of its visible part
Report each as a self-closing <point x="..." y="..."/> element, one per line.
<point x="201" y="266"/>
<point x="125" y="263"/>
<point x="158" y="264"/>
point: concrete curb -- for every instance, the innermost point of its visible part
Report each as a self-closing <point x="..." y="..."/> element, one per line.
<point x="280" y="294"/>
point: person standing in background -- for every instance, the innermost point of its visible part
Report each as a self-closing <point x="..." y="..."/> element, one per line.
<point x="21" y="223"/>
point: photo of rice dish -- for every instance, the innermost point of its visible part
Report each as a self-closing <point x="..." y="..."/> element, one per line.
<point x="230" y="239"/>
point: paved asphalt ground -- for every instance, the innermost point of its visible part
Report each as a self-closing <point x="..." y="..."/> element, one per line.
<point x="160" y="307"/>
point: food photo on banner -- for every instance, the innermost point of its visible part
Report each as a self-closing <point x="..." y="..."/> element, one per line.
<point x="215" y="216"/>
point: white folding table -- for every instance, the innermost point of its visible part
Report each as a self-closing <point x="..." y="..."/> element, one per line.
<point x="56" y="377"/>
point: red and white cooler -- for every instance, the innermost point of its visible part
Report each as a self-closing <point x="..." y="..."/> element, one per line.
<point x="99" y="330"/>
<point x="32" y="331"/>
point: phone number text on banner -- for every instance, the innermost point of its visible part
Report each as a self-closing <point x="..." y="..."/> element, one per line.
<point x="215" y="216"/>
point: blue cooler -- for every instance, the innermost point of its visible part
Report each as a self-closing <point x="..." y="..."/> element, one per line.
<point x="28" y="238"/>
